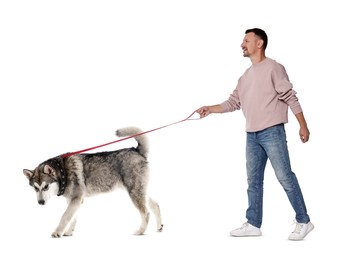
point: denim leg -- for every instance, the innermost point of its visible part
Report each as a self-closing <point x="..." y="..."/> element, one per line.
<point x="274" y="142"/>
<point x="256" y="162"/>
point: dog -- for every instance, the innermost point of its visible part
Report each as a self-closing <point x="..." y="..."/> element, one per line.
<point x="83" y="175"/>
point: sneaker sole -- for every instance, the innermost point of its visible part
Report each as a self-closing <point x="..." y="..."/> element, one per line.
<point x="248" y="235"/>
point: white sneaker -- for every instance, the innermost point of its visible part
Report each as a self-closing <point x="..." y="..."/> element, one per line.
<point x="246" y="230"/>
<point x="301" y="231"/>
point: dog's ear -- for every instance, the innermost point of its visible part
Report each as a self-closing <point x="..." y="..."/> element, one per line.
<point x="28" y="173"/>
<point x="49" y="170"/>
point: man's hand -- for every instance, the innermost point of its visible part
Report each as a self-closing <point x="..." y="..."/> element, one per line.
<point x="304" y="134"/>
<point x="203" y="111"/>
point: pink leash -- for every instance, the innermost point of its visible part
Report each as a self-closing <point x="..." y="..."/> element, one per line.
<point x="128" y="137"/>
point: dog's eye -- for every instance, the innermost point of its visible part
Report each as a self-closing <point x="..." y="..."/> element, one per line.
<point x="46" y="187"/>
<point x="36" y="189"/>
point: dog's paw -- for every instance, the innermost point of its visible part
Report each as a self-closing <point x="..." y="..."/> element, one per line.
<point x="139" y="232"/>
<point x="56" y="234"/>
<point x="160" y="229"/>
<point x="68" y="233"/>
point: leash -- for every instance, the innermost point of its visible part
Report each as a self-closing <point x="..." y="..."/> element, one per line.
<point x="128" y="137"/>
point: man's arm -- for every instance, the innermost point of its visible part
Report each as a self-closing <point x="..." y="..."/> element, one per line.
<point x="206" y="110"/>
<point x="304" y="132"/>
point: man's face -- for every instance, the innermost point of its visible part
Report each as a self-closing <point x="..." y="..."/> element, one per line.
<point x="250" y="44"/>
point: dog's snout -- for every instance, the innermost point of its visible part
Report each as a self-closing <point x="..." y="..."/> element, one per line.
<point x="41" y="202"/>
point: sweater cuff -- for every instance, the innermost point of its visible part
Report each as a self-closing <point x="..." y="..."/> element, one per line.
<point x="296" y="109"/>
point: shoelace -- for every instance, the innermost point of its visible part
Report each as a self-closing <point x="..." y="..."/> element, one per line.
<point x="245" y="225"/>
<point x="298" y="227"/>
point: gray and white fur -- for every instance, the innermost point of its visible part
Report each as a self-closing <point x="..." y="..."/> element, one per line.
<point x="83" y="175"/>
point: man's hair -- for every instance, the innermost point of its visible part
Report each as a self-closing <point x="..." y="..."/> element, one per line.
<point x="260" y="33"/>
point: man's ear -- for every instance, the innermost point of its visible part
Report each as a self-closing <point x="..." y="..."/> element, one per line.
<point x="260" y="43"/>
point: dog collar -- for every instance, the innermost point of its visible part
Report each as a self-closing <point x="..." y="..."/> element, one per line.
<point x="62" y="180"/>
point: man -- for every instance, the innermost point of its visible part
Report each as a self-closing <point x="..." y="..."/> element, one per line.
<point x="264" y="94"/>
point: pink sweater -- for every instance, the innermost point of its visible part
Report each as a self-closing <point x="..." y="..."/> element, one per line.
<point x="264" y="94"/>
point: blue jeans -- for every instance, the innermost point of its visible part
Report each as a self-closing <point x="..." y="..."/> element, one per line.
<point x="271" y="143"/>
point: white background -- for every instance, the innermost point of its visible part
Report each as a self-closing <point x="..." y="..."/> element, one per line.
<point x="72" y="72"/>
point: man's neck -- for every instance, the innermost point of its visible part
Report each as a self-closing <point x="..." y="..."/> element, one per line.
<point x="257" y="58"/>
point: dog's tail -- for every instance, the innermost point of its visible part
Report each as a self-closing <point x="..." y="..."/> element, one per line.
<point x="141" y="139"/>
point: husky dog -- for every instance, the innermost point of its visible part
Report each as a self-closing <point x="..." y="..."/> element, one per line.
<point x="83" y="175"/>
